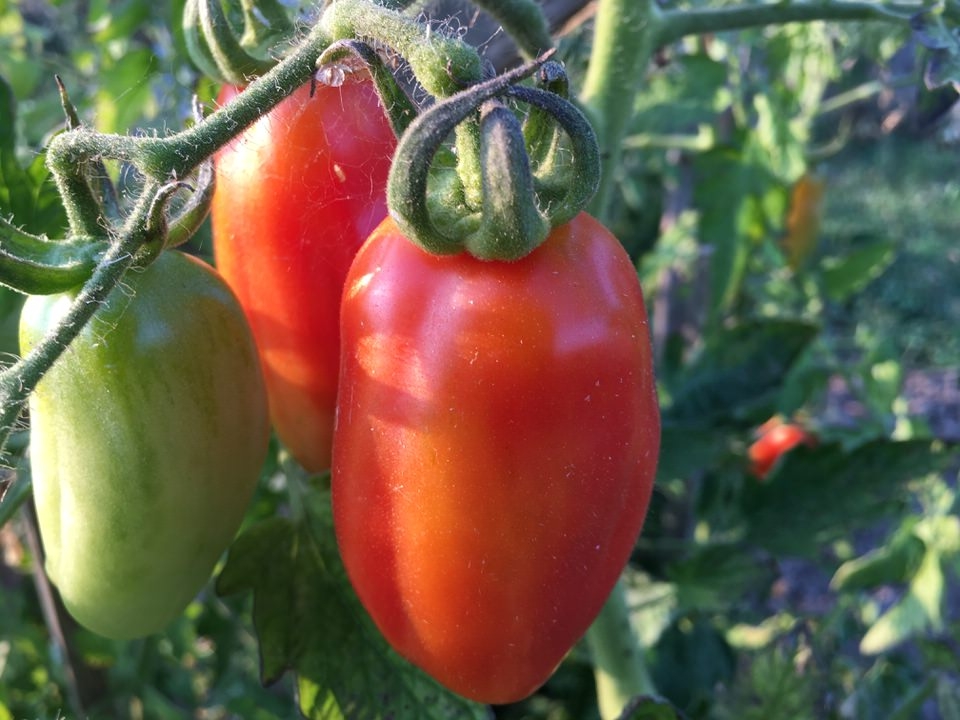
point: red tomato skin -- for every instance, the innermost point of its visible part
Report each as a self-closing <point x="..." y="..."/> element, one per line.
<point x="495" y="449"/>
<point x="297" y="194"/>
<point x="776" y="438"/>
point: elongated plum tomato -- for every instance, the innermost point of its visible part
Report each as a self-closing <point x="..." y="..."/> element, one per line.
<point x="147" y="437"/>
<point x="297" y="194"/>
<point x="495" y="448"/>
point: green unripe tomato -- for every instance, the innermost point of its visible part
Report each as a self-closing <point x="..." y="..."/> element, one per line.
<point x="147" y="437"/>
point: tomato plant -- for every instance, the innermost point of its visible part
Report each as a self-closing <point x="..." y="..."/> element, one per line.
<point x="297" y="193"/>
<point x="147" y="439"/>
<point x="494" y="452"/>
<point x="775" y="438"/>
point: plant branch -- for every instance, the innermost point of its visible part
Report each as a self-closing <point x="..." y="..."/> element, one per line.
<point x="622" y="47"/>
<point x="619" y="667"/>
<point x="20" y="379"/>
<point x="675" y="24"/>
<point x="178" y="155"/>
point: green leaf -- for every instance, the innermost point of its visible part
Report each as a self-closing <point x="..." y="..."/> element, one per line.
<point x="918" y="611"/>
<point x="687" y="93"/>
<point x="718" y="576"/>
<point x="648" y="708"/>
<point x="728" y="193"/>
<point x="895" y="562"/>
<point x="685" y="450"/>
<point x="843" y="277"/>
<point x="943" y="42"/>
<point x="309" y="620"/>
<point x="821" y="494"/>
<point x="739" y="368"/>
<point x="692" y="659"/>
<point x="8" y="114"/>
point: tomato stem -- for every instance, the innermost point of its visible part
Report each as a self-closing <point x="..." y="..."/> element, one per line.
<point x="399" y="107"/>
<point x="19" y="380"/>
<point x="443" y="65"/>
<point x="619" y="667"/>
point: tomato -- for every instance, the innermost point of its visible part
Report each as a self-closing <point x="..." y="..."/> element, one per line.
<point x="496" y="441"/>
<point x="147" y="437"/>
<point x="774" y="438"/>
<point x="803" y="218"/>
<point x="297" y="194"/>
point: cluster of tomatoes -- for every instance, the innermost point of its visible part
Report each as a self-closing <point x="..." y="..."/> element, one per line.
<point x="491" y="427"/>
<point x="494" y="425"/>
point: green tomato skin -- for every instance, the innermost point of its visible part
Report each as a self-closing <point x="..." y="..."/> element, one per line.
<point x="147" y="439"/>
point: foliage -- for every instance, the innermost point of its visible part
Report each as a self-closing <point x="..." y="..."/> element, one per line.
<point x="823" y="592"/>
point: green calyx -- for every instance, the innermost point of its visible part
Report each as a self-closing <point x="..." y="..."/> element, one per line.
<point x="36" y="265"/>
<point x="531" y="176"/>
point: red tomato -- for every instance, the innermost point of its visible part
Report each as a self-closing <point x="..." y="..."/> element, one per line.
<point x="297" y="193"/>
<point x="495" y="449"/>
<point x="775" y="437"/>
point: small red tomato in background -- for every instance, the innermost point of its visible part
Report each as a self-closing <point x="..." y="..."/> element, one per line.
<point x="774" y="438"/>
<point x="297" y="194"/>
<point x="495" y="449"/>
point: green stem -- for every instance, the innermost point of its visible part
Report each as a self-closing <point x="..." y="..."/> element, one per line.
<point x="20" y="379"/>
<point x="620" y="671"/>
<point x="443" y="65"/>
<point x="676" y="24"/>
<point x="623" y="43"/>
<point x="16" y="496"/>
<point x="178" y="155"/>
<point x="627" y="32"/>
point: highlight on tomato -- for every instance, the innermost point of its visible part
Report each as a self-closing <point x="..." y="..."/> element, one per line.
<point x="495" y="449"/>
<point x="296" y="195"/>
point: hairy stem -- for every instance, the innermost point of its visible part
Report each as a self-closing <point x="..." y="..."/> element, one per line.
<point x="676" y="24"/>
<point x="19" y="380"/>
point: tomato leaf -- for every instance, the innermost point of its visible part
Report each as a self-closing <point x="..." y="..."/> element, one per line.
<point x="27" y="195"/>
<point x="738" y="369"/>
<point x="842" y="277"/>
<point x="895" y="562"/>
<point x="309" y="620"/>
<point x="918" y="611"/>
<point x="817" y="495"/>
<point x="728" y="192"/>
<point x="648" y="708"/>
<point x="718" y="576"/>
<point x="943" y="43"/>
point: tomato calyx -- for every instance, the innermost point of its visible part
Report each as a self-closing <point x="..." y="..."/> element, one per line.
<point x="430" y="187"/>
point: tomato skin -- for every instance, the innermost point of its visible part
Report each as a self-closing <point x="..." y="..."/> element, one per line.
<point x="775" y="437"/>
<point x="495" y="449"/>
<point x="297" y="194"/>
<point x="147" y="437"/>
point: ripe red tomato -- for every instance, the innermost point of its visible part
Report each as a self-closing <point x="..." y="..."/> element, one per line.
<point x="496" y="442"/>
<point x="774" y="438"/>
<point x="297" y="194"/>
